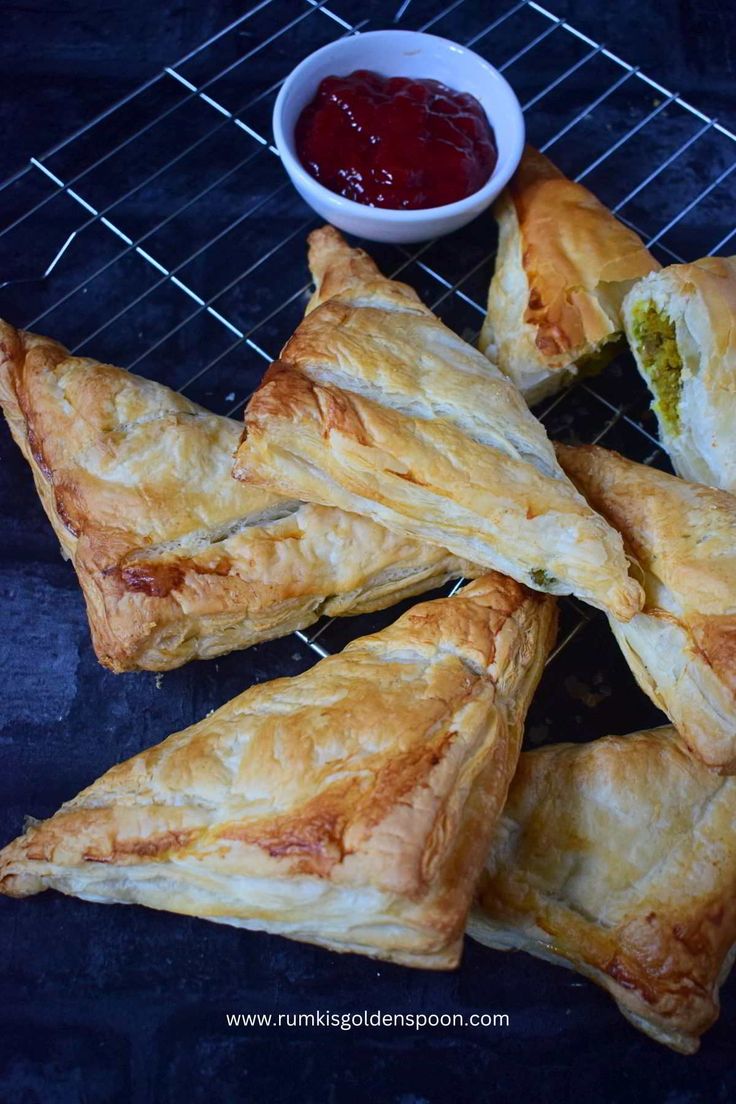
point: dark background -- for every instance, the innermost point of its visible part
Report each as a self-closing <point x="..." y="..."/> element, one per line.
<point x="65" y="62"/>
<point x="123" y="1004"/>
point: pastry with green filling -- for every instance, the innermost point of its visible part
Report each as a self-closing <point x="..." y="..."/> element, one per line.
<point x="681" y="325"/>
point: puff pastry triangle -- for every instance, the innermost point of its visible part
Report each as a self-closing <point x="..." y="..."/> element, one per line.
<point x="563" y="266"/>
<point x="618" y="858"/>
<point x="176" y="559"/>
<point x="350" y="806"/>
<point x="681" y="325"/>
<point x="377" y="407"/>
<point x="682" y="647"/>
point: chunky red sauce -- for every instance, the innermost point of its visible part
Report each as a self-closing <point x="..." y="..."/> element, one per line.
<point x="395" y="142"/>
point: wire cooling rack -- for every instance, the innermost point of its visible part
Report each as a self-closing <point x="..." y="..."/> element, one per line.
<point x="164" y="236"/>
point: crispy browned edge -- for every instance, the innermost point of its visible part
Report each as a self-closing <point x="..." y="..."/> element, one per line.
<point x="144" y="613"/>
<point x="312" y="839"/>
<point x="119" y="636"/>
<point x="664" y="968"/>
<point x="564" y="326"/>
<point x="618" y="489"/>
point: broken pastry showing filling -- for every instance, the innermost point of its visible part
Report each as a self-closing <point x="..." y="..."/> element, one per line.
<point x="681" y="325"/>
<point x="656" y="347"/>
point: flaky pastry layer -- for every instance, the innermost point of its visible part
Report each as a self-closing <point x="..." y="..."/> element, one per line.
<point x="376" y="407"/>
<point x="176" y="559"/>
<point x="349" y="806"/>
<point x="699" y="301"/>
<point x="618" y="858"/>
<point x="682" y="646"/>
<point x="563" y="266"/>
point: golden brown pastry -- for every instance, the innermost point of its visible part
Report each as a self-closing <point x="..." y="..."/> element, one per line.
<point x="563" y="266"/>
<point x="618" y="858"/>
<point x="176" y="559"/>
<point x="682" y="647"/>
<point x="681" y="325"/>
<point x="377" y="407"/>
<point x="350" y="806"/>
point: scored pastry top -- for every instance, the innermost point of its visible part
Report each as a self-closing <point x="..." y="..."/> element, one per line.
<point x="375" y="406"/>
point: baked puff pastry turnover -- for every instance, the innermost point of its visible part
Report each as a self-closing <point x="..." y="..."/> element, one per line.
<point x="682" y="647"/>
<point x="375" y="406"/>
<point x="350" y="806"/>
<point x="681" y="325"/>
<point x="618" y="858"/>
<point x="176" y="559"/>
<point x="563" y="266"/>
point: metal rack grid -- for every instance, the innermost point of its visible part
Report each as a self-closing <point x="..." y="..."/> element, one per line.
<point x="127" y="211"/>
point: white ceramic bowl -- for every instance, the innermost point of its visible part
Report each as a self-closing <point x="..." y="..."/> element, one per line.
<point x="405" y="54"/>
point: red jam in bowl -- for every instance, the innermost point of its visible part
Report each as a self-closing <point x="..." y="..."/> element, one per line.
<point x="395" y="142"/>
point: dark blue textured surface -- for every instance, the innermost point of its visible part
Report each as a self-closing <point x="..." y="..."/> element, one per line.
<point x="120" y="1004"/>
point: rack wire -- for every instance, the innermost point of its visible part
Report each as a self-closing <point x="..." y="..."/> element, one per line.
<point x="162" y="235"/>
